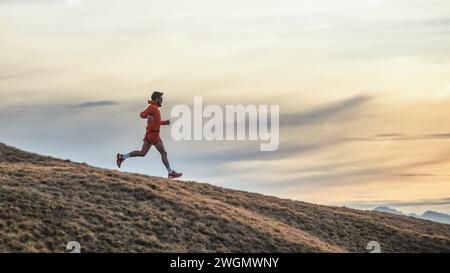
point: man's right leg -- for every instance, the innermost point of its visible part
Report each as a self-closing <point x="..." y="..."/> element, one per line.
<point x="144" y="150"/>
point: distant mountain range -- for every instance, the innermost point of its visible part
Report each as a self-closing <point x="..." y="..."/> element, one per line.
<point x="427" y="215"/>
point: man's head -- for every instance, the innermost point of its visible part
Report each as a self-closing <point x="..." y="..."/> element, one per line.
<point x="157" y="97"/>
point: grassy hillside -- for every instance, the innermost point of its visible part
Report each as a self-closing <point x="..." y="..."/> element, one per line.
<point x="46" y="202"/>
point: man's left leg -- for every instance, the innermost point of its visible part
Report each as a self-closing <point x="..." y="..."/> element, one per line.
<point x="160" y="147"/>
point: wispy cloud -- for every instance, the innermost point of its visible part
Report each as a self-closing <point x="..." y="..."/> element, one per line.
<point x="400" y="137"/>
<point x="95" y="104"/>
<point x="423" y="175"/>
<point x="397" y="203"/>
<point x="324" y="113"/>
<point x="9" y="76"/>
<point x="252" y="153"/>
<point x="330" y="111"/>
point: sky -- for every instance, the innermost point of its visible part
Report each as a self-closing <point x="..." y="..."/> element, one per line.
<point x="363" y="88"/>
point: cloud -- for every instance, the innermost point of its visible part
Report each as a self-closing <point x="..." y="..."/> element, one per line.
<point x="400" y="137"/>
<point x="354" y="172"/>
<point x="20" y="74"/>
<point x="422" y="175"/>
<point x="234" y="152"/>
<point x="324" y="112"/>
<point x="95" y="104"/>
<point x="398" y="203"/>
<point x="253" y="153"/>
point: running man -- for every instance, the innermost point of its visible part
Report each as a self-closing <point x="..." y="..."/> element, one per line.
<point x="152" y="137"/>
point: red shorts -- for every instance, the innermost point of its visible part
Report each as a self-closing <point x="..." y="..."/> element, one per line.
<point x="152" y="138"/>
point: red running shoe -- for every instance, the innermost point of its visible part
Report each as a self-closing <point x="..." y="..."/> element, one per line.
<point x="119" y="160"/>
<point x="174" y="174"/>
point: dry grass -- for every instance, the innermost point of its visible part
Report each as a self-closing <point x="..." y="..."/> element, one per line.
<point x="46" y="202"/>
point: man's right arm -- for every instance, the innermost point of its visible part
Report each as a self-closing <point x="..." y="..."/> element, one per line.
<point x="149" y="112"/>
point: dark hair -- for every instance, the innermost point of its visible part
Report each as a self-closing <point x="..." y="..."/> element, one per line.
<point x="156" y="95"/>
